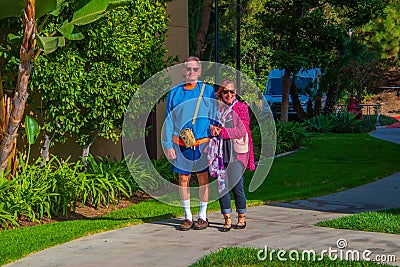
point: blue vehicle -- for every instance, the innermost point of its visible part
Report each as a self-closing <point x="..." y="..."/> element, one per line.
<point x="307" y="82"/>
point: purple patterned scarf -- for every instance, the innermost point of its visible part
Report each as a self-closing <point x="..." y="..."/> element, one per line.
<point x="215" y="154"/>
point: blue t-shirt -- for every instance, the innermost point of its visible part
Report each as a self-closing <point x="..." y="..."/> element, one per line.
<point x="181" y="105"/>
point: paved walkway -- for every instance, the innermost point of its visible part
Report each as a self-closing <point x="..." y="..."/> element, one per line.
<point x="388" y="134"/>
<point x="282" y="226"/>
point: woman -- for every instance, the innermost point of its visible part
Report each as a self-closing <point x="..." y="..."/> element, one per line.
<point x="231" y="152"/>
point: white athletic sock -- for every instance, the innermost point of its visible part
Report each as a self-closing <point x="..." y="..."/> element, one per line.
<point x="203" y="210"/>
<point x="186" y="209"/>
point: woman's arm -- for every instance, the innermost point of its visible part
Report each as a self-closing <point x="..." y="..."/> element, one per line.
<point x="241" y="122"/>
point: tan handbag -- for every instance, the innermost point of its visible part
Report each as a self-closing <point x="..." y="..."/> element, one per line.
<point x="187" y="137"/>
<point x="241" y="145"/>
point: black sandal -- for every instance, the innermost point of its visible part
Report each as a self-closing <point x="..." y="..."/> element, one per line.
<point x="227" y="226"/>
<point x="242" y="224"/>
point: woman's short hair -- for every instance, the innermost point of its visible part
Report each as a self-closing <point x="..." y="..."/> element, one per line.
<point x="222" y="86"/>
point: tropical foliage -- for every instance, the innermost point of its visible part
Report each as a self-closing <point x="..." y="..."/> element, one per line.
<point x="58" y="187"/>
<point x="34" y="17"/>
<point x="339" y="123"/>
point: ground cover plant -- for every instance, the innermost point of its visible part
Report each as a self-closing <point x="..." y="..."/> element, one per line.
<point x="56" y="188"/>
<point x="236" y="256"/>
<point x="384" y="221"/>
<point x="326" y="165"/>
<point x="383" y="119"/>
<point x="346" y="123"/>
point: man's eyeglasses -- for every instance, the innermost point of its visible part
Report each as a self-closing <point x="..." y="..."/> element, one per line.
<point x="225" y="92"/>
<point x="194" y="69"/>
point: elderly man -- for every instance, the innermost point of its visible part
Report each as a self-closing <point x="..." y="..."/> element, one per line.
<point x="191" y="108"/>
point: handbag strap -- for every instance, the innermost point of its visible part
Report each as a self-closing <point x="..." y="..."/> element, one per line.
<point x="198" y="104"/>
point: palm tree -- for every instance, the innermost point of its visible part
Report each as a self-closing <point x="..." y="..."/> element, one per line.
<point x="8" y="141"/>
<point x="350" y="58"/>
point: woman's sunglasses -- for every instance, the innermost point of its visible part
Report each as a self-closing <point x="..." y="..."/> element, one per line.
<point x="194" y="69"/>
<point x="225" y="92"/>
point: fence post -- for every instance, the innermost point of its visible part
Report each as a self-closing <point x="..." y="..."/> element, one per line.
<point x="378" y="115"/>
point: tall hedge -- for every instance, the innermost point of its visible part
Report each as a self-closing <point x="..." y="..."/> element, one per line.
<point x="86" y="86"/>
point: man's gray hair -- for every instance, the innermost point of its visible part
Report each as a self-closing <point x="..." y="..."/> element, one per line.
<point x="191" y="58"/>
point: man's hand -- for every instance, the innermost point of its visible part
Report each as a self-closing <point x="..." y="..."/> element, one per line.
<point x="171" y="153"/>
<point x="215" y="130"/>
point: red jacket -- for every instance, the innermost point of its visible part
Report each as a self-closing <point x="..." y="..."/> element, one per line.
<point x="241" y="123"/>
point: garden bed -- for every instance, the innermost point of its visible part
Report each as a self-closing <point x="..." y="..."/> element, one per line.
<point x="88" y="212"/>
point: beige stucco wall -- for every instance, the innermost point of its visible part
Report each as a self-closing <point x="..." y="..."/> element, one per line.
<point x="177" y="44"/>
<point x="178" y="31"/>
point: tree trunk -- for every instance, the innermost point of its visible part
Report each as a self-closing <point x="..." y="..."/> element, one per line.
<point x="318" y="106"/>
<point x="331" y="97"/>
<point x="202" y="32"/>
<point x="85" y="153"/>
<point x="5" y="107"/>
<point x="285" y="96"/>
<point x="45" y="150"/>
<point x="294" y="93"/>
<point x="21" y="92"/>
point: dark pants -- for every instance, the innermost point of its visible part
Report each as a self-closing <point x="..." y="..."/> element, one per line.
<point x="235" y="182"/>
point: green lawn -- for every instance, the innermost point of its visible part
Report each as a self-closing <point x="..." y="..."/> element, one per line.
<point x="385" y="221"/>
<point x="330" y="163"/>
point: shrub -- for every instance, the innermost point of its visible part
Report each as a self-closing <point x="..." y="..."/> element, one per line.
<point x="55" y="187"/>
<point x="341" y="123"/>
<point x="105" y="182"/>
<point x="6" y="216"/>
<point x="66" y="176"/>
<point x="164" y="168"/>
<point x="256" y="135"/>
<point x="290" y="136"/>
<point x="383" y="119"/>
<point x="43" y="190"/>
<point x="320" y="123"/>
<point x="142" y="172"/>
<point x="29" y="194"/>
<point x="365" y="126"/>
<point x="346" y="122"/>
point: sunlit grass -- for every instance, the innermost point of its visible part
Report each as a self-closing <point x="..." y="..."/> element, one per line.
<point x="385" y="221"/>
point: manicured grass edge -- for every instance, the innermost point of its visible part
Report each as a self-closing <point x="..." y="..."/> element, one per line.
<point x="383" y="221"/>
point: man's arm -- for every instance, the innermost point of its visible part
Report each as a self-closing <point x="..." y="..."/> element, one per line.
<point x="168" y="124"/>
